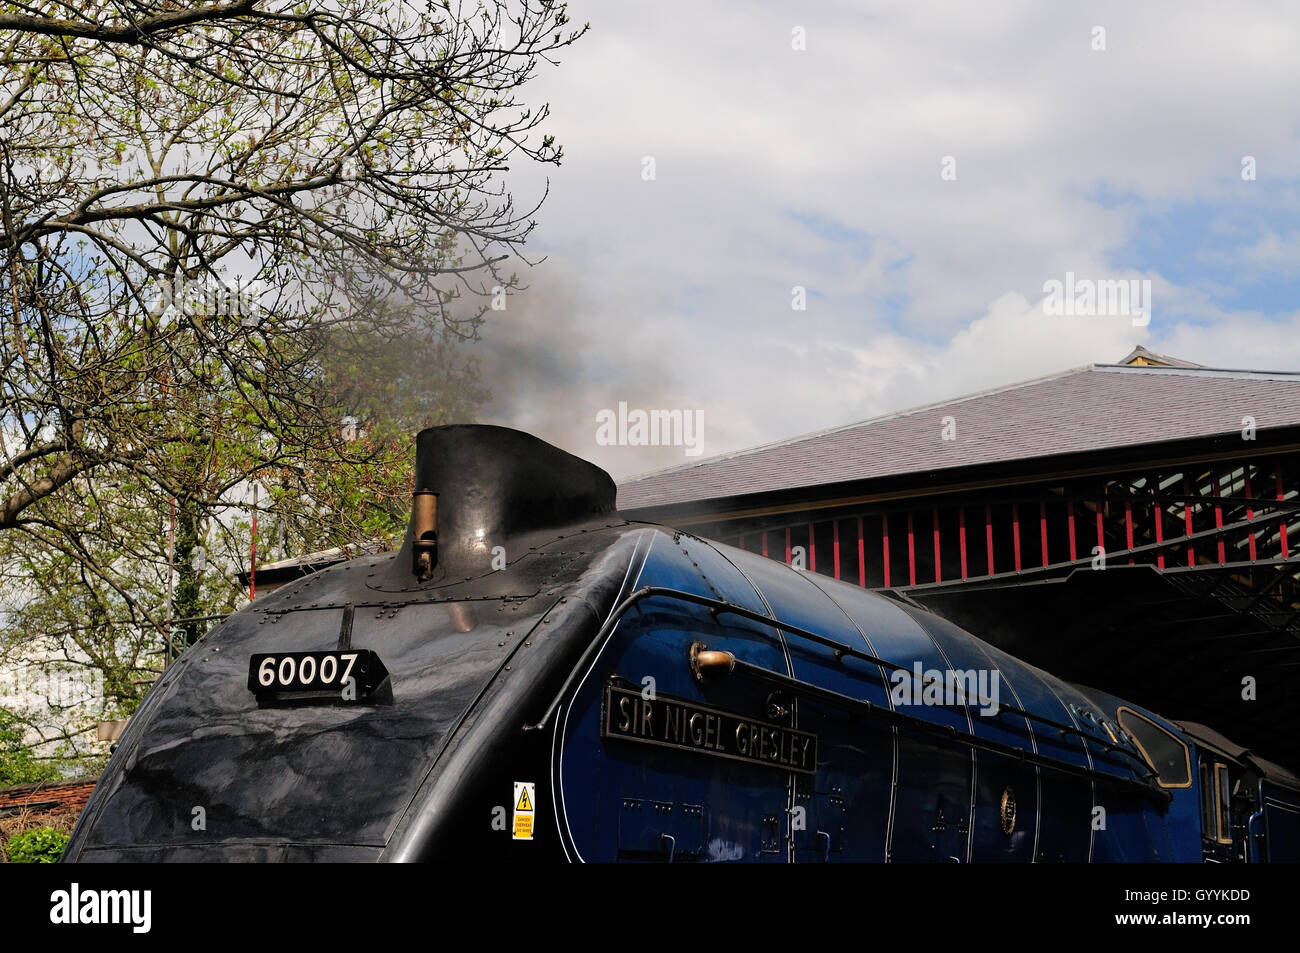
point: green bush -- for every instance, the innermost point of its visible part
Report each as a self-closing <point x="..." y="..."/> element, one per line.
<point x="40" y="845"/>
<point x="17" y="766"/>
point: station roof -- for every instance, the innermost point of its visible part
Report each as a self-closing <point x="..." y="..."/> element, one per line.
<point x="271" y="576"/>
<point x="1147" y="399"/>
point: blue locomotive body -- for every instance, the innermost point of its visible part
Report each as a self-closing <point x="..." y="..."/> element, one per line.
<point x="907" y="766"/>
<point x="623" y="692"/>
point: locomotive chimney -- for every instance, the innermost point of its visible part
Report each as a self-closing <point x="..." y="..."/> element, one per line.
<point x="482" y="490"/>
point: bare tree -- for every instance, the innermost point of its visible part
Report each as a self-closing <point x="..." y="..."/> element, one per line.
<point x="328" y="164"/>
<point x="223" y="229"/>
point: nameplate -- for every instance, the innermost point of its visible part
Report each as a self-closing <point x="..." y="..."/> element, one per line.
<point x="677" y="723"/>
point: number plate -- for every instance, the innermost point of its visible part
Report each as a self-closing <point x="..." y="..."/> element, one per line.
<point x="351" y="675"/>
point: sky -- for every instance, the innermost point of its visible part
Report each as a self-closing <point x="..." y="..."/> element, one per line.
<point x="922" y="170"/>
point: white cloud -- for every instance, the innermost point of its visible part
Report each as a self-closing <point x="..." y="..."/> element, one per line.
<point x="821" y="168"/>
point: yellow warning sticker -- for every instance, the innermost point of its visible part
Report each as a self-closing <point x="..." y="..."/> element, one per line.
<point x="524" y="800"/>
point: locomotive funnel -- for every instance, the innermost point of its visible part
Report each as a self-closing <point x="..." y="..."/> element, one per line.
<point x="477" y="486"/>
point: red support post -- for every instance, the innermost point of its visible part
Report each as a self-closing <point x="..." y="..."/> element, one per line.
<point x="862" y="557"/>
<point x="884" y="545"/>
<point x="961" y="537"/>
<point x="1015" y="531"/>
<point x="836" y="543"/>
<point x="1101" y="537"/>
<point x="742" y="542"/>
<point x="812" y="549"/>
<point x="988" y="533"/>
<point x="252" y="555"/>
<point x="934" y="521"/>
<point x="787" y="545"/>
<point x="1218" y="515"/>
<point x="1074" y="550"/>
<point x="911" y="552"/>
<point x="1042" y="528"/>
<point x="764" y="542"/>
<point x="1158" y="509"/>
<point x="1250" y="510"/>
<point x="1281" y="497"/>
<point x="1187" y="521"/>
<point x="1128" y="526"/>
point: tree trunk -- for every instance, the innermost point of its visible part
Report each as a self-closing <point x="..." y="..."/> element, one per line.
<point x="189" y="579"/>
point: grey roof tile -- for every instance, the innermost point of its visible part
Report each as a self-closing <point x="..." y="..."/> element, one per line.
<point x="1092" y="408"/>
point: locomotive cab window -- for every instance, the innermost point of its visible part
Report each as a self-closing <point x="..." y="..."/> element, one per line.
<point x="1223" y="825"/>
<point x="1168" y="756"/>
<point x="1216" y="819"/>
<point x="1209" y="813"/>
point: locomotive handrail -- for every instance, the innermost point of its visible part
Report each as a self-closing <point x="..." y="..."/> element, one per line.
<point x="718" y="605"/>
<point x="1108" y="747"/>
<point x="723" y="605"/>
<point x="848" y="702"/>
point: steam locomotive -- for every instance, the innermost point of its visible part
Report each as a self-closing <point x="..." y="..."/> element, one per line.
<point x="533" y="678"/>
